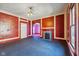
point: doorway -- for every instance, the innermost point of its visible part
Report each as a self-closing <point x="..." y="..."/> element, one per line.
<point x="23" y="30"/>
<point x="36" y="30"/>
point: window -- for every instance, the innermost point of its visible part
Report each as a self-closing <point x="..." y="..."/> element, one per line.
<point x="72" y="26"/>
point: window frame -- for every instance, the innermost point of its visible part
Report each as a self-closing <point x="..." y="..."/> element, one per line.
<point x="72" y="13"/>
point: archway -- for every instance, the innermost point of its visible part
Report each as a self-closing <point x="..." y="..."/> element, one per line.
<point x="36" y="30"/>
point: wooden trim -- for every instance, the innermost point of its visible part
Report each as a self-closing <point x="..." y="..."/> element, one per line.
<point x="65" y="26"/>
<point x="8" y="39"/>
<point x="54" y="27"/>
<point x="31" y="27"/>
<point x="41" y="27"/>
<point x="47" y="27"/>
<point x="24" y="20"/>
<point x="77" y="29"/>
<point x="19" y="28"/>
<point x="59" y="38"/>
<point x="71" y="50"/>
<point x="9" y="13"/>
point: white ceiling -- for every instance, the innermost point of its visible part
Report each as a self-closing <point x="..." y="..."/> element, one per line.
<point x="39" y="9"/>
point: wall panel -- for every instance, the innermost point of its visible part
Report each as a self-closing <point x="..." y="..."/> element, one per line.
<point x="8" y="26"/>
<point x="48" y="22"/>
<point x="60" y="26"/>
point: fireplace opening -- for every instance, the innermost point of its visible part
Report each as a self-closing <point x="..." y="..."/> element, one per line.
<point x="48" y="35"/>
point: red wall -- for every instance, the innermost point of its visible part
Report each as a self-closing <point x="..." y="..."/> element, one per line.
<point x="60" y="26"/>
<point x="48" y="22"/>
<point x="13" y="22"/>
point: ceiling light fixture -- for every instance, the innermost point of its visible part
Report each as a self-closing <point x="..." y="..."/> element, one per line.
<point x="30" y="11"/>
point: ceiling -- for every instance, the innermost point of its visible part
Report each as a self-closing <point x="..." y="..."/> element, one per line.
<point x="39" y="9"/>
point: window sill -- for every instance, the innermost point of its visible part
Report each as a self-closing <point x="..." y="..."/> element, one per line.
<point x="72" y="51"/>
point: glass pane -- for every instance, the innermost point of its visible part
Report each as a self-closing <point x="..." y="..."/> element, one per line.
<point x="73" y="36"/>
<point x="73" y="15"/>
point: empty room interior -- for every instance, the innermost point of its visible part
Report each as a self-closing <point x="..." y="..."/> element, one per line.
<point x="39" y="29"/>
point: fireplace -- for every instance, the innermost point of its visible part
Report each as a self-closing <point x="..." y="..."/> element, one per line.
<point x="48" y="35"/>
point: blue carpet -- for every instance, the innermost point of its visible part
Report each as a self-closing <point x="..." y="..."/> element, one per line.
<point x="33" y="47"/>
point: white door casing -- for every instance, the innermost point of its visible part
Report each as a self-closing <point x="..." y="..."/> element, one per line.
<point x="23" y="30"/>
